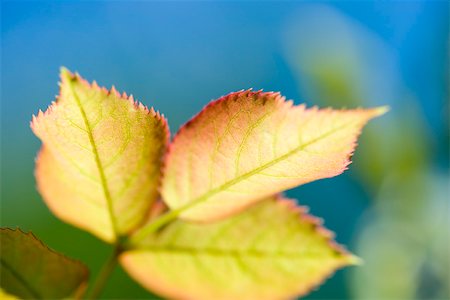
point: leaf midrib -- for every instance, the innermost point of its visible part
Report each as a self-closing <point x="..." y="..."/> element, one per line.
<point x="103" y="180"/>
<point x="226" y="252"/>
<point x="173" y="214"/>
<point x="245" y="176"/>
<point x="20" y="279"/>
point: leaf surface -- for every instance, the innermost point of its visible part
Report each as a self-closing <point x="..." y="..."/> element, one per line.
<point x="30" y="270"/>
<point x="273" y="250"/>
<point x="99" y="166"/>
<point x="250" y="145"/>
<point x="5" y="296"/>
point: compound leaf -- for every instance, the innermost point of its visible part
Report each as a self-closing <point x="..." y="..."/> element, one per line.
<point x="273" y="250"/>
<point x="250" y="145"/>
<point x="30" y="270"/>
<point x="99" y="166"/>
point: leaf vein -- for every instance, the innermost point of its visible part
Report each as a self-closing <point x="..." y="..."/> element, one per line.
<point x="19" y="278"/>
<point x="98" y="162"/>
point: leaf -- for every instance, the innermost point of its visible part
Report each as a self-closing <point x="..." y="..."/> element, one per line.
<point x="273" y="250"/>
<point x="6" y="296"/>
<point x="250" y="145"/>
<point x="29" y="269"/>
<point x="99" y="166"/>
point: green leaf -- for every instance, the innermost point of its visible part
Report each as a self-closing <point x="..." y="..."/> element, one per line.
<point x="29" y="269"/>
<point x="273" y="250"/>
<point x="99" y="167"/>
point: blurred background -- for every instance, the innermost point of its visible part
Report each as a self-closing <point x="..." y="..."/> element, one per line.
<point x="391" y="208"/>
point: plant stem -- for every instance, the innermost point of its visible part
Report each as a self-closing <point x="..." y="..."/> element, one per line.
<point x="157" y="224"/>
<point x="104" y="274"/>
<point x="152" y="227"/>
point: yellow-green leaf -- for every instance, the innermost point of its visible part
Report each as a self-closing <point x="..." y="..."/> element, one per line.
<point x="273" y="250"/>
<point x="249" y="145"/>
<point x="5" y="296"/>
<point x="30" y="270"/>
<point x="99" y="166"/>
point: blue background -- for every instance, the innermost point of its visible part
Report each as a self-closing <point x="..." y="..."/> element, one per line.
<point x="177" y="56"/>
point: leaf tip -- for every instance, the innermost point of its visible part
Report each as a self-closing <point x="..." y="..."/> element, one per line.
<point x="355" y="260"/>
<point x="381" y="110"/>
<point x="65" y="74"/>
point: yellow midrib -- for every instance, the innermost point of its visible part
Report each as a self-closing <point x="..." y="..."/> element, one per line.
<point x="234" y="252"/>
<point x="98" y="162"/>
<point x="173" y="214"/>
<point x="245" y="176"/>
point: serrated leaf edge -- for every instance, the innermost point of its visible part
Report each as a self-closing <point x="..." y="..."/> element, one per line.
<point x="345" y="258"/>
<point x="80" y="289"/>
<point x="279" y="100"/>
<point x="66" y="75"/>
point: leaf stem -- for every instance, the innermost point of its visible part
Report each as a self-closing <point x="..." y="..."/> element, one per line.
<point x="104" y="274"/>
<point x="152" y="227"/>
